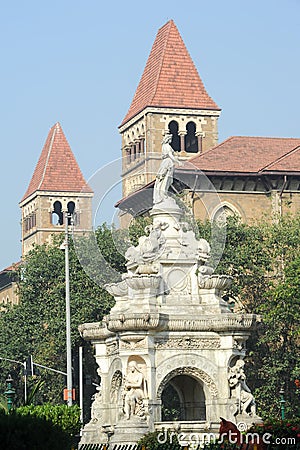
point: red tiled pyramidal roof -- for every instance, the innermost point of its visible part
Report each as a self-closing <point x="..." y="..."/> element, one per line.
<point x="243" y="154"/>
<point x="57" y="168"/>
<point x="170" y="78"/>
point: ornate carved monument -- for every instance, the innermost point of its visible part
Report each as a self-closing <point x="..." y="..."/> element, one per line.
<point x="171" y="350"/>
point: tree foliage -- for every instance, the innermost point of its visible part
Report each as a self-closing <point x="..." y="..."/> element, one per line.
<point x="37" y="325"/>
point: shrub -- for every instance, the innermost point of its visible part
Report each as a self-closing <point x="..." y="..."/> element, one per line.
<point x="159" y="441"/>
<point x="27" y="432"/>
<point x="65" y="417"/>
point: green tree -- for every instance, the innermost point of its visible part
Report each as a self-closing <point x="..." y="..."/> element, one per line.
<point x="37" y="325"/>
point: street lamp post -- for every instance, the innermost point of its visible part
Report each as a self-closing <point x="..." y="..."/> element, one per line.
<point x="10" y="392"/>
<point x="24" y="364"/>
<point x="68" y="315"/>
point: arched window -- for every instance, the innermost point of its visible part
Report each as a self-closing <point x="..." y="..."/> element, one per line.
<point x="173" y="128"/>
<point x="224" y="211"/>
<point x="190" y="139"/>
<point x="57" y="217"/>
<point x="71" y="212"/>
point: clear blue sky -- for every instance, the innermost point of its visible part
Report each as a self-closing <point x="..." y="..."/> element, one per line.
<point x="79" y="63"/>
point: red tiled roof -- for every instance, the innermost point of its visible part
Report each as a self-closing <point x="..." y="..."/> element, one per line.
<point x="11" y="268"/>
<point x="243" y="154"/>
<point x="170" y="78"/>
<point x="57" y="168"/>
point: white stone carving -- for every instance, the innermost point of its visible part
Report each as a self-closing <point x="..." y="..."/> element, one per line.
<point x="218" y="282"/>
<point x="96" y="409"/>
<point x="164" y="177"/>
<point x="117" y="289"/>
<point x="134" y="392"/>
<point x="192" y="371"/>
<point x="240" y="389"/>
<point x="189" y="343"/>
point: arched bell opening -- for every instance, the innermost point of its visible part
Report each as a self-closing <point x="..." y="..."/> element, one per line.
<point x="183" y="399"/>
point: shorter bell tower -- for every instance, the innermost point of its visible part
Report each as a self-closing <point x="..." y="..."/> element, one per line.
<point x="57" y="187"/>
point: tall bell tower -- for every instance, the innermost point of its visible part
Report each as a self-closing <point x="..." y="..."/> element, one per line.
<point x="57" y="187"/>
<point x="170" y="98"/>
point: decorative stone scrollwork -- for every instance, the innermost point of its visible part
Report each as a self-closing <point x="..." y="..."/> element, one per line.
<point x="191" y="371"/>
<point x="112" y="348"/>
<point x="115" y="386"/>
<point x="140" y="282"/>
<point x="189" y="343"/>
<point x="222" y="323"/>
<point x="219" y="282"/>
<point x="117" y="289"/>
<point x="132" y="344"/>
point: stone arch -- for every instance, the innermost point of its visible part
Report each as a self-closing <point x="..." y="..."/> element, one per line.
<point x="193" y="372"/>
<point x="186" y="393"/>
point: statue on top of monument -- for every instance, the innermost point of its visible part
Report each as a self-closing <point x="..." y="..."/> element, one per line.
<point x="164" y="177"/>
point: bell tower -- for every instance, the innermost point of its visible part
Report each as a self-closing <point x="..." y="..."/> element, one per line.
<point x="170" y="98"/>
<point x="57" y="187"/>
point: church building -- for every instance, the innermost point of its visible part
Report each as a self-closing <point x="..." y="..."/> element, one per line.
<point x="252" y="177"/>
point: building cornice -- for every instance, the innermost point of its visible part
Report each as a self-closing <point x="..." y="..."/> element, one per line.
<point x="169" y="111"/>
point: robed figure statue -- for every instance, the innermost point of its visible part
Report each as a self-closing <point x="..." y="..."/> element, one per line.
<point x="164" y="177"/>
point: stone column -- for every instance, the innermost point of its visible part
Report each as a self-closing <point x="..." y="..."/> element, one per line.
<point x="182" y="143"/>
<point x="200" y="136"/>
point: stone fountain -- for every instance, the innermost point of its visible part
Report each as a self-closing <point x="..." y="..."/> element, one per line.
<point x="170" y="353"/>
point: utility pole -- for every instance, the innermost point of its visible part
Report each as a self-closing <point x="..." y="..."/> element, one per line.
<point x="81" y="382"/>
<point x="68" y="315"/>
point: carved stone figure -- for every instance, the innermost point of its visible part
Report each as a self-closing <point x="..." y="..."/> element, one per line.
<point x="203" y="251"/>
<point x="164" y="177"/>
<point x="149" y="246"/>
<point x="96" y="413"/>
<point x="134" y="392"/>
<point x="152" y="243"/>
<point x="237" y="382"/>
